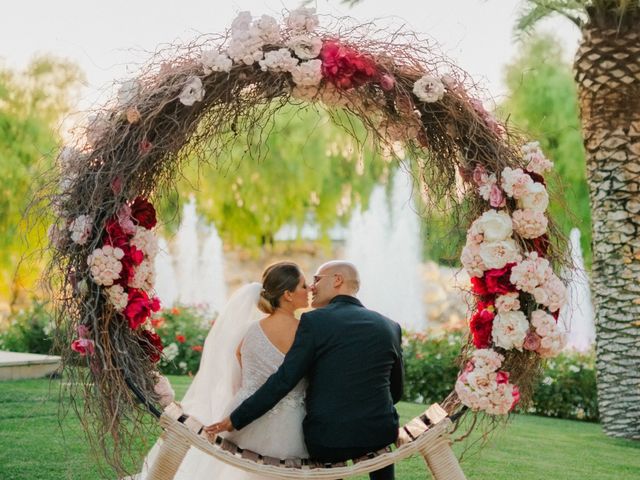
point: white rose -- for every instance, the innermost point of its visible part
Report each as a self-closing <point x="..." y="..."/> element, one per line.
<point x="428" y="89"/>
<point x="192" y="92"/>
<point x="498" y="254"/>
<point x="535" y="197"/>
<point x="509" y="330"/>
<point x="302" y="20"/>
<point x="305" y="47"/>
<point x="494" y="225"/>
<point x="307" y="74"/>
<point x="214" y="61"/>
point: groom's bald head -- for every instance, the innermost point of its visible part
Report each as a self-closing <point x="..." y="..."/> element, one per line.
<point x="347" y="271"/>
<point x="334" y="278"/>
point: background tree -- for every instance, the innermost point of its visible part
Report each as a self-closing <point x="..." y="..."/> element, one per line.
<point x="32" y="104"/>
<point x="607" y="73"/>
<point x="311" y="171"/>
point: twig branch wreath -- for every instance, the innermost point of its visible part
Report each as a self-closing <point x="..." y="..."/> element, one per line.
<point x="226" y="89"/>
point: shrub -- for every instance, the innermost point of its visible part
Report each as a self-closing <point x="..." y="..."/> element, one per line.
<point x="430" y="365"/>
<point x="29" y="330"/>
<point x="182" y="330"/>
<point x="567" y="388"/>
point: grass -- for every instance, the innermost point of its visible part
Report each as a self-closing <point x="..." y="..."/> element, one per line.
<point x="34" y="445"/>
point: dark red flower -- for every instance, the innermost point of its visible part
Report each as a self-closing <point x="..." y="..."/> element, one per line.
<point x="181" y="338"/>
<point x="140" y="307"/>
<point x="497" y="280"/>
<point x="536" y="177"/>
<point x="494" y="282"/>
<point x="481" y="324"/>
<point x="132" y="258"/>
<point x="151" y="343"/>
<point x="345" y="67"/>
<point x="114" y="234"/>
<point x="143" y="213"/>
<point x="541" y="245"/>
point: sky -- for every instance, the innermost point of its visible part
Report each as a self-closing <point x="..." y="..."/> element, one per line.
<point x="109" y="39"/>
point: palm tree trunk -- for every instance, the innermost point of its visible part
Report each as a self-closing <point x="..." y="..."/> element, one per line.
<point x="607" y="69"/>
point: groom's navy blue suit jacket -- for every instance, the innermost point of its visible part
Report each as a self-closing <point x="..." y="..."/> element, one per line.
<point x="352" y="358"/>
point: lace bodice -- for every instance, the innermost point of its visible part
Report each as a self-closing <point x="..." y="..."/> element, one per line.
<point x="260" y="359"/>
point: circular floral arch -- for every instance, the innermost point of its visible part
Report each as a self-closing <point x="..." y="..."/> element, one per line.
<point x="226" y="89"/>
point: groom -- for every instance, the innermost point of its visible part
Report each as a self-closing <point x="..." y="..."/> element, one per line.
<point x="352" y="358"/>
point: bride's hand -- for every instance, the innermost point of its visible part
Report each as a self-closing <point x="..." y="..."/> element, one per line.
<point x="223" y="426"/>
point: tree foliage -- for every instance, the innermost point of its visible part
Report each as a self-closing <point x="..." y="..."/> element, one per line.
<point x="32" y="103"/>
<point x="314" y="172"/>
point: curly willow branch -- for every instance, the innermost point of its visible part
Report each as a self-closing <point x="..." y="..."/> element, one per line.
<point x="143" y="156"/>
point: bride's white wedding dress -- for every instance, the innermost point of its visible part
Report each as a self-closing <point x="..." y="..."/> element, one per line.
<point x="220" y="386"/>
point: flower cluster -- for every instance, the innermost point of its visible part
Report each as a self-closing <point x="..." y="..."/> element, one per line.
<point x="518" y="294"/>
<point x="482" y="386"/>
<point x="124" y="264"/>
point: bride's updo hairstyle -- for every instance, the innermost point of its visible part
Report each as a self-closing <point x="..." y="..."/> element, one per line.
<point x="277" y="279"/>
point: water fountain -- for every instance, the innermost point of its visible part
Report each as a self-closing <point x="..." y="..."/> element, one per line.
<point x="193" y="275"/>
<point x="577" y="315"/>
<point x="384" y="243"/>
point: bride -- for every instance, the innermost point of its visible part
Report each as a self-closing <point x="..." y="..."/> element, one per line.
<point x="241" y="351"/>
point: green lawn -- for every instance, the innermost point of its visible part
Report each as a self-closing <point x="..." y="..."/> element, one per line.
<point x="35" y="446"/>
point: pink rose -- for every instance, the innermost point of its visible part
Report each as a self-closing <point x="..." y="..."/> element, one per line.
<point x="387" y="82"/>
<point x="83" y="346"/>
<point x="496" y="198"/>
<point x="532" y="341"/>
<point x="83" y="331"/>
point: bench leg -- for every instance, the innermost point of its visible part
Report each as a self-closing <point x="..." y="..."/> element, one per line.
<point x="172" y="452"/>
<point x="441" y="460"/>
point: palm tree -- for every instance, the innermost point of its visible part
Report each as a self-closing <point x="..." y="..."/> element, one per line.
<point x="607" y="73"/>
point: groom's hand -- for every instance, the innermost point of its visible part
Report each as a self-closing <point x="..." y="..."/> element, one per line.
<point x="223" y="426"/>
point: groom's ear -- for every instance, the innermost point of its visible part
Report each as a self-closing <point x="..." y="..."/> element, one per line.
<point x="338" y="280"/>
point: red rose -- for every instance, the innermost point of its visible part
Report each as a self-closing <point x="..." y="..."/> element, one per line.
<point x="181" y="338"/>
<point x="114" y="234"/>
<point x="132" y="258"/>
<point x="497" y="280"/>
<point x="143" y="212"/>
<point x="197" y="348"/>
<point x="502" y="377"/>
<point x="140" y="307"/>
<point x="151" y="344"/>
<point x="478" y="286"/>
<point x="481" y="325"/>
<point x="345" y="67"/>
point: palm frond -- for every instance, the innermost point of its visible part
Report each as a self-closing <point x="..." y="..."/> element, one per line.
<point x="533" y="11"/>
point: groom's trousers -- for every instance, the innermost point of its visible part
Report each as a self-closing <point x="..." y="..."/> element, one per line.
<point x="333" y="455"/>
